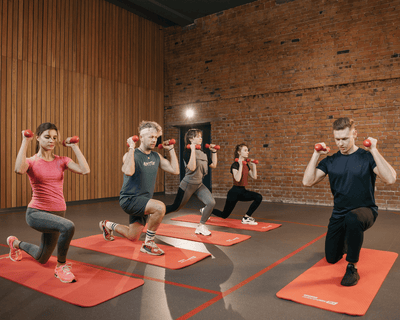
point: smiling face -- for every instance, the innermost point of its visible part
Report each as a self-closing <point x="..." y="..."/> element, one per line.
<point x="345" y="140"/>
<point x="48" y="139"/>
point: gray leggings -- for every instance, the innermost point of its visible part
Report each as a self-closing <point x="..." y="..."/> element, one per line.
<point x="186" y="190"/>
<point x="55" y="230"/>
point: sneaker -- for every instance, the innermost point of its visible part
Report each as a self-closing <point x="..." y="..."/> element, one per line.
<point x="249" y="220"/>
<point x="64" y="273"/>
<point x="202" y="229"/>
<point x="351" y="276"/>
<point x="15" y="254"/>
<point x="150" y="247"/>
<point x="107" y="232"/>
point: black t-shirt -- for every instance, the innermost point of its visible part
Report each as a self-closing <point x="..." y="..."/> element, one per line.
<point x="352" y="180"/>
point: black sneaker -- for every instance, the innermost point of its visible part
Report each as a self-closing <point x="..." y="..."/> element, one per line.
<point x="351" y="276"/>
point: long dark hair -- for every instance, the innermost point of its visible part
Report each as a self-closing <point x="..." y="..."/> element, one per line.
<point x="238" y="148"/>
<point x="191" y="134"/>
<point x="42" y="128"/>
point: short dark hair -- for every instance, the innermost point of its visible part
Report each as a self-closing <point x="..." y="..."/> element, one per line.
<point x="343" y="123"/>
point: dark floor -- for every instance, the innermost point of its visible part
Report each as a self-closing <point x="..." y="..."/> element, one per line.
<point x="240" y="272"/>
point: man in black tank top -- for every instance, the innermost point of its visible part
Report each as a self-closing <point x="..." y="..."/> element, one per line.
<point x="140" y="168"/>
<point x="352" y="174"/>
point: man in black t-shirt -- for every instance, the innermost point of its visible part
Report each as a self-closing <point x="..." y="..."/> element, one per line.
<point x="352" y="174"/>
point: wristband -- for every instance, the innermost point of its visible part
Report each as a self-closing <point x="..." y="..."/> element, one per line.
<point x="171" y="149"/>
<point x="213" y="152"/>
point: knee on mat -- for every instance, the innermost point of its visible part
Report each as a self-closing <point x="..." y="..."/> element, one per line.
<point x="332" y="260"/>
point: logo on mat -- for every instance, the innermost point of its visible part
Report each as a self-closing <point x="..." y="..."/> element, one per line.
<point x="188" y="259"/>
<point x="307" y="296"/>
<point x="268" y="226"/>
<point x="230" y="240"/>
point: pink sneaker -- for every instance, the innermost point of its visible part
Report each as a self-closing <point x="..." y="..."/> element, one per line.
<point x="15" y="254"/>
<point x="107" y="233"/>
<point x="64" y="273"/>
<point x="150" y="247"/>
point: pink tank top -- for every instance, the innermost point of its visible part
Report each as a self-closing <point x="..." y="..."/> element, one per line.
<point x="47" y="178"/>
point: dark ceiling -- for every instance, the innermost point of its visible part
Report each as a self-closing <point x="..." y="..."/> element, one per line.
<point x="176" y="12"/>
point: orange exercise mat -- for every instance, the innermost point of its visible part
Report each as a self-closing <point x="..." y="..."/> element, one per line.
<point x="93" y="286"/>
<point x="229" y="223"/>
<point x="320" y="285"/>
<point x="174" y="258"/>
<point x="216" y="237"/>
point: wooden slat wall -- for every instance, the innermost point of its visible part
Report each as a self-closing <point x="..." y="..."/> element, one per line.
<point x="93" y="69"/>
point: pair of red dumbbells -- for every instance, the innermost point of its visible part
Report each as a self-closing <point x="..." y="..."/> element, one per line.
<point x="160" y="146"/>
<point x="247" y="160"/>
<point x="198" y="147"/>
<point x="75" y="139"/>
<point x="318" y="147"/>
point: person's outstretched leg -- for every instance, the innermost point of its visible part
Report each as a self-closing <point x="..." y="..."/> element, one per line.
<point x="230" y="203"/>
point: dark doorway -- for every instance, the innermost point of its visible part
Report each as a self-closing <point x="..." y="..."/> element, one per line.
<point x="206" y="128"/>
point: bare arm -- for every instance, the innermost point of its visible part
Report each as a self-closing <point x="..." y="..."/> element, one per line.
<point x="128" y="161"/>
<point x="253" y="170"/>
<point x="82" y="166"/>
<point x="192" y="160"/>
<point x="312" y="175"/>
<point x="383" y="169"/>
<point x="214" y="158"/>
<point x="21" y="166"/>
<point x="237" y="174"/>
<point x="167" y="166"/>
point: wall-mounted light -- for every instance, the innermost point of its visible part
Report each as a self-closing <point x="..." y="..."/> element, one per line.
<point x="189" y="113"/>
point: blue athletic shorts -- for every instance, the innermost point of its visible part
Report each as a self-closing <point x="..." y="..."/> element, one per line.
<point x="135" y="207"/>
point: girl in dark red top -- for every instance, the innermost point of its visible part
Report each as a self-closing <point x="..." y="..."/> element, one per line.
<point x="240" y="171"/>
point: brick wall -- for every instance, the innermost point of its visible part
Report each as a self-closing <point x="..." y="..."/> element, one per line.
<point x="277" y="75"/>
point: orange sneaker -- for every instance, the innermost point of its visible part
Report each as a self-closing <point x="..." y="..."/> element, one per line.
<point x="15" y="254"/>
<point x="64" y="273"/>
<point x="107" y="233"/>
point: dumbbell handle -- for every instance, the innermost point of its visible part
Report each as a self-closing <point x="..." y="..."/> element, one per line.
<point x="319" y="147"/>
<point x="134" y="138"/>
<point x="74" y="139"/>
<point x="243" y="162"/>
<point x="169" y="142"/>
<point x="254" y="161"/>
<point x="198" y="147"/>
<point x="216" y="147"/>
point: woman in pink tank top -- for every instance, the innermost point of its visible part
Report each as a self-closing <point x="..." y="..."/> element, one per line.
<point x="46" y="210"/>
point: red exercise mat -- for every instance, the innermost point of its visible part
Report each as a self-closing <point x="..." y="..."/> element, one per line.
<point x="216" y="237"/>
<point x="93" y="285"/>
<point x="174" y="258"/>
<point x="320" y="285"/>
<point x="229" y="223"/>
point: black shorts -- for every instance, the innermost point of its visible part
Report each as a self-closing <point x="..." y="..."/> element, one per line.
<point x="135" y="207"/>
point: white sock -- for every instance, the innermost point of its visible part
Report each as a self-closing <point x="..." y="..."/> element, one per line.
<point x="150" y="235"/>
<point x="111" y="225"/>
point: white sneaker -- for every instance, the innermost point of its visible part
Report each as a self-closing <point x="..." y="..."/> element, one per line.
<point x="202" y="229"/>
<point x="249" y="220"/>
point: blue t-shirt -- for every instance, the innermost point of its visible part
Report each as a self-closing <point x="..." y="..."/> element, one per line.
<point x="352" y="180"/>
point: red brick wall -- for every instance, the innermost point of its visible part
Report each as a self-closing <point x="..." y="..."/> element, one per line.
<point x="276" y="77"/>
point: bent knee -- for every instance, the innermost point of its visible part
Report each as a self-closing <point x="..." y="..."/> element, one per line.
<point x="332" y="260"/>
<point x="259" y="198"/>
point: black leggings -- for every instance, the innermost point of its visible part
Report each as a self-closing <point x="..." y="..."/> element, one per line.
<point x="239" y="194"/>
<point x="347" y="234"/>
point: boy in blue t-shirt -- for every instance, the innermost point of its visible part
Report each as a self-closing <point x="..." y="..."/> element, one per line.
<point x="352" y="173"/>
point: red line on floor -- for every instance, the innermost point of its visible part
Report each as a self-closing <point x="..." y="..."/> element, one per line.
<point x="241" y="284"/>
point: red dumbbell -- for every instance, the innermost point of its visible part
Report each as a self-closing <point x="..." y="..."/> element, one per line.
<point x="367" y="143"/>
<point x="254" y="161"/>
<point x="134" y="138"/>
<point x="171" y="141"/>
<point x="319" y="147"/>
<point x="198" y="147"/>
<point x="243" y="162"/>
<point x="74" y="139"/>
<point x="28" y="133"/>
<point x="216" y="147"/>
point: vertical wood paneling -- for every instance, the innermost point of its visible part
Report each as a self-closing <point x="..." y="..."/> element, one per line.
<point x="93" y="69"/>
